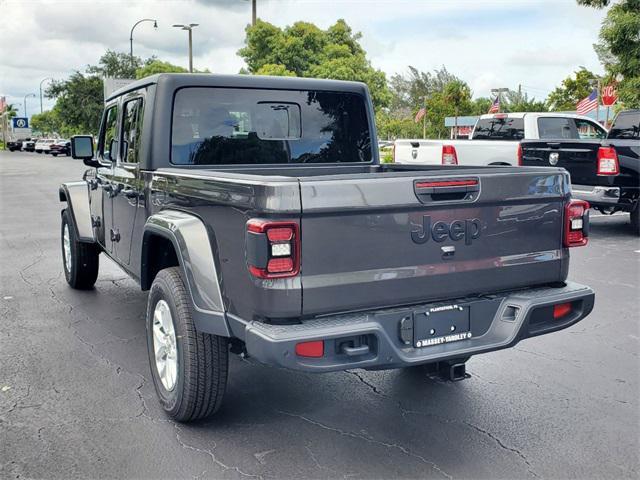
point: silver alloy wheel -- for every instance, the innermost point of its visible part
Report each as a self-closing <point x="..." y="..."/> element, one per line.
<point x="66" y="243"/>
<point x="165" y="347"/>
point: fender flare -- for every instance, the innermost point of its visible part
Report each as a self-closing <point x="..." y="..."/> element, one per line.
<point x="190" y="239"/>
<point x="76" y="194"/>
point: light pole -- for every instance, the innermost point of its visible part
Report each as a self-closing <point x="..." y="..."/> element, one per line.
<point x="254" y="14"/>
<point x="189" y="28"/>
<point x="43" y="80"/>
<point x="25" y="102"/>
<point x="155" y="25"/>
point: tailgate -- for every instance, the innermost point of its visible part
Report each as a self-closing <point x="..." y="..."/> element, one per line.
<point x="425" y="152"/>
<point x="578" y="157"/>
<point x="394" y="239"/>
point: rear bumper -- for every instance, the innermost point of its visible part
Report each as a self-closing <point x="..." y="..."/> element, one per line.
<point x="497" y="322"/>
<point x="601" y="196"/>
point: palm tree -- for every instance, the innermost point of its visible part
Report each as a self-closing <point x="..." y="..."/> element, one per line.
<point x="457" y="94"/>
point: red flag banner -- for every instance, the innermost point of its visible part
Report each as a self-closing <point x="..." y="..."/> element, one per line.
<point x="609" y="95"/>
<point x="421" y="113"/>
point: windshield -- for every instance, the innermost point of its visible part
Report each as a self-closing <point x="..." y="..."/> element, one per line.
<point x="227" y="126"/>
<point x="499" y="129"/>
<point x="627" y="125"/>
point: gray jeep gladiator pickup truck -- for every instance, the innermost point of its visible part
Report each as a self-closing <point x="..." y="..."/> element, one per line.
<point x="256" y="213"/>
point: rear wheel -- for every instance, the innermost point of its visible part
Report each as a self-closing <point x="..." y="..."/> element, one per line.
<point x="54" y="154"/>
<point x="80" y="261"/>
<point x="189" y="368"/>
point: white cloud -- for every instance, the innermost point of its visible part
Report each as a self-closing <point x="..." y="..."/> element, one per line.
<point x="487" y="43"/>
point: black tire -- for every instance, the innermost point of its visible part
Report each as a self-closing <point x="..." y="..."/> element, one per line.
<point x="635" y="219"/>
<point x="54" y="154"/>
<point x="202" y="359"/>
<point x="85" y="258"/>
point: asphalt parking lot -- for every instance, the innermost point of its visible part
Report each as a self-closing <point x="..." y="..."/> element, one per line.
<point x="76" y="400"/>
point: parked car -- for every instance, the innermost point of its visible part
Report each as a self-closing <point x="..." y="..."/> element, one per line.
<point x="14" y="145"/>
<point x="606" y="173"/>
<point x="60" y="147"/>
<point x="495" y="139"/>
<point x="29" y="145"/>
<point x="44" y="145"/>
<point x="263" y="224"/>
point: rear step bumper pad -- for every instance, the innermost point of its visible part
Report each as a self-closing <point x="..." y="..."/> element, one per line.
<point x="345" y="335"/>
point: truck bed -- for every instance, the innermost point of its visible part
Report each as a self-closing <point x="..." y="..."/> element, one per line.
<point x="367" y="232"/>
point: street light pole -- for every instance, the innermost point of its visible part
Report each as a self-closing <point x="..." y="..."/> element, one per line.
<point x="43" y="80"/>
<point x="254" y="15"/>
<point x="25" y="102"/>
<point x="155" y="25"/>
<point x="188" y="28"/>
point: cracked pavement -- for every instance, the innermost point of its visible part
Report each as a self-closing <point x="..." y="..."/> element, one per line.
<point x="76" y="399"/>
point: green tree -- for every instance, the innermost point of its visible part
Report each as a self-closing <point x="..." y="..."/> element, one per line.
<point x="573" y="89"/>
<point x="619" y="47"/>
<point x="409" y="90"/>
<point x="158" y="66"/>
<point x="304" y="50"/>
<point x="116" y="64"/>
<point x="11" y="110"/>
<point x="79" y="102"/>
<point x="275" y="69"/>
<point x="458" y="95"/>
<point x="47" y="122"/>
<point x="518" y="101"/>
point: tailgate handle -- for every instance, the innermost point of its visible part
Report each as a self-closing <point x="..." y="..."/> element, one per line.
<point x="451" y="189"/>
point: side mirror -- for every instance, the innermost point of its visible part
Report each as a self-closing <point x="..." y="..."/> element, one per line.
<point x="82" y="149"/>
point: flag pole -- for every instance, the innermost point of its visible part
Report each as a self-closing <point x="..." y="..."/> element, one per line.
<point x="424" y="119"/>
<point x="598" y="103"/>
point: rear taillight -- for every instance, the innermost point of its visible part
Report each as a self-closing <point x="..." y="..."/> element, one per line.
<point x="561" y="310"/>
<point x="313" y="349"/>
<point x="519" y="154"/>
<point x="273" y="248"/>
<point x="608" y="161"/>
<point x="576" y="223"/>
<point x="449" y="156"/>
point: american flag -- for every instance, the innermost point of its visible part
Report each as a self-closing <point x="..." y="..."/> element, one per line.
<point x="3" y="104"/>
<point x="421" y="113"/>
<point x="495" y="106"/>
<point x="588" y="103"/>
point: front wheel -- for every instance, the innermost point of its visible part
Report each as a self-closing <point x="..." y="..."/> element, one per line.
<point x="189" y="368"/>
<point x="80" y="261"/>
<point x="54" y="154"/>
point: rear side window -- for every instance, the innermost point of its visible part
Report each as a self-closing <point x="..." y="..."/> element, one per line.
<point x="131" y="125"/>
<point x="588" y="129"/>
<point x="109" y="133"/>
<point x="626" y="126"/>
<point x="557" y="127"/>
<point x="226" y="126"/>
<point x="499" y="129"/>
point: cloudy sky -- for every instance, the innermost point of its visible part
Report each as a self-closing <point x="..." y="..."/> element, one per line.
<point x="492" y="43"/>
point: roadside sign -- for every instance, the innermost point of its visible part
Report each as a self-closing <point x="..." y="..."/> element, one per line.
<point x="20" y="122"/>
<point x="609" y="95"/>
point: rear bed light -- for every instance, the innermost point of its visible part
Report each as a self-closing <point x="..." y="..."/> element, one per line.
<point x="561" y="310"/>
<point x="449" y="156"/>
<point x="576" y="223"/>
<point x="273" y="249"/>
<point x="310" y="349"/>
<point x="608" y="161"/>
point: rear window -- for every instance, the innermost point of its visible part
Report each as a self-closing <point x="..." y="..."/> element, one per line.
<point x="499" y="129"/>
<point x="627" y="125"/>
<point x="226" y="126"/>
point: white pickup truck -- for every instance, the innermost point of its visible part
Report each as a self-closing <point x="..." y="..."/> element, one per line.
<point x="495" y="139"/>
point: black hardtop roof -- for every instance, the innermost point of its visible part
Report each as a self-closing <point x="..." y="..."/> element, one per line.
<point x="174" y="81"/>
